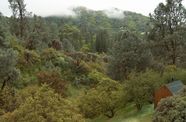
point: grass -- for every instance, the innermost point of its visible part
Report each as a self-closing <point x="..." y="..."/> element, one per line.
<point x="129" y="114"/>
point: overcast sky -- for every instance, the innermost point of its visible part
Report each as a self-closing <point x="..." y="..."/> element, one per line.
<point x="63" y="7"/>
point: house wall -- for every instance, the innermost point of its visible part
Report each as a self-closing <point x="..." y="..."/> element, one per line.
<point x="163" y="92"/>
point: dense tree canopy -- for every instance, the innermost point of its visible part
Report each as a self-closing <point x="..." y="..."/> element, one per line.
<point x="168" y="30"/>
<point x="129" y="53"/>
<point x="90" y="65"/>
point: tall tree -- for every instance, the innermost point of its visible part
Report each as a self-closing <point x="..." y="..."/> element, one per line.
<point x="102" y="41"/>
<point x="129" y="53"/>
<point x="167" y="35"/>
<point x="8" y="71"/>
<point x="72" y="34"/>
<point x="19" y="15"/>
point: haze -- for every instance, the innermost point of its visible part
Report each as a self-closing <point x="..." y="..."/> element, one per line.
<point x="64" y="7"/>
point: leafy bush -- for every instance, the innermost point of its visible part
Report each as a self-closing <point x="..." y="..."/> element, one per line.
<point x="171" y="109"/>
<point x="28" y="58"/>
<point x="174" y="73"/>
<point x="104" y="99"/>
<point x="43" y="105"/>
<point x="53" y="79"/>
<point x="140" y="87"/>
<point x="7" y="100"/>
<point x="80" y="67"/>
<point x="49" y="54"/>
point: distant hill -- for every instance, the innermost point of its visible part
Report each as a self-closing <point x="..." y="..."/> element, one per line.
<point x="113" y="19"/>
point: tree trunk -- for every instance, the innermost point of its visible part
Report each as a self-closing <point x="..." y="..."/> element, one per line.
<point x="138" y="106"/>
<point x="21" y="24"/>
<point x="4" y="82"/>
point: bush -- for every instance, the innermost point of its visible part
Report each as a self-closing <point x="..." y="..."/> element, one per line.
<point x="49" y="54"/>
<point x="7" y="100"/>
<point x="44" y="106"/>
<point x="53" y="79"/>
<point x="174" y="73"/>
<point x="171" y="109"/>
<point x="28" y="58"/>
<point x="104" y="99"/>
<point x="80" y="67"/>
<point x="140" y="87"/>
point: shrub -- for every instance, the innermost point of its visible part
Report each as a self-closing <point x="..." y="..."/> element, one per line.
<point x="53" y="79"/>
<point x="7" y="100"/>
<point x="141" y="86"/>
<point x="49" y="54"/>
<point x="28" y="58"/>
<point x="104" y="99"/>
<point x="80" y="67"/>
<point x="174" y="73"/>
<point x="44" y="106"/>
<point x="171" y="109"/>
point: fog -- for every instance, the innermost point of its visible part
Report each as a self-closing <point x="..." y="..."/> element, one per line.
<point x="64" y="7"/>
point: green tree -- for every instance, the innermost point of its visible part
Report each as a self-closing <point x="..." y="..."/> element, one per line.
<point x="104" y="99"/>
<point x="72" y="34"/>
<point x="141" y="86"/>
<point x="19" y="16"/>
<point x="168" y="30"/>
<point x="102" y="41"/>
<point x="8" y="62"/>
<point x="129" y="53"/>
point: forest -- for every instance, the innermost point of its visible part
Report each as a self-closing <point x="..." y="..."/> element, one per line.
<point x="91" y="67"/>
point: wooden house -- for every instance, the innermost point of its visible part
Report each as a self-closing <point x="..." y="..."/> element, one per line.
<point x="167" y="90"/>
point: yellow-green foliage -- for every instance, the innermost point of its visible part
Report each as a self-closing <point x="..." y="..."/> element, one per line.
<point x="171" y="109"/>
<point x="43" y="105"/>
<point x="80" y="67"/>
<point x="95" y="77"/>
<point x="104" y="99"/>
<point x="141" y="86"/>
<point x="49" y="54"/>
<point x="7" y="100"/>
<point x="15" y="45"/>
<point x="99" y="66"/>
<point x="53" y="79"/>
<point x="86" y="48"/>
<point x="174" y="73"/>
<point x="28" y="58"/>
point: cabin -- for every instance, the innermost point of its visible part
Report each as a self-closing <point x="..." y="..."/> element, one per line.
<point x="167" y="90"/>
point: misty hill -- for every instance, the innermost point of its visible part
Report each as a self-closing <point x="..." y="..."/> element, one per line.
<point x="113" y="19"/>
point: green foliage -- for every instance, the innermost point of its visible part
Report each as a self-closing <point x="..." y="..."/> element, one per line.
<point x="72" y="34"/>
<point x="28" y="58"/>
<point x="8" y="61"/>
<point x="174" y="73"/>
<point x="100" y="66"/>
<point x="102" y="41"/>
<point x="18" y="18"/>
<point x="85" y="48"/>
<point x="95" y="77"/>
<point x="44" y="105"/>
<point x="39" y="35"/>
<point x="8" y="100"/>
<point x="49" y="54"/>
<point x="53" y="79"/>
<point x="135" y="22"/>
<point x="128" y="54"/>
<point x="168" y="30"/>
<point x="171" y="109"/>
<point x="105" y="99"/>
<point x="140" y="87"/>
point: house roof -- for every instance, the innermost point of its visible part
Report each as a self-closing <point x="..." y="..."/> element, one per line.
<point x="175" y="86"/>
